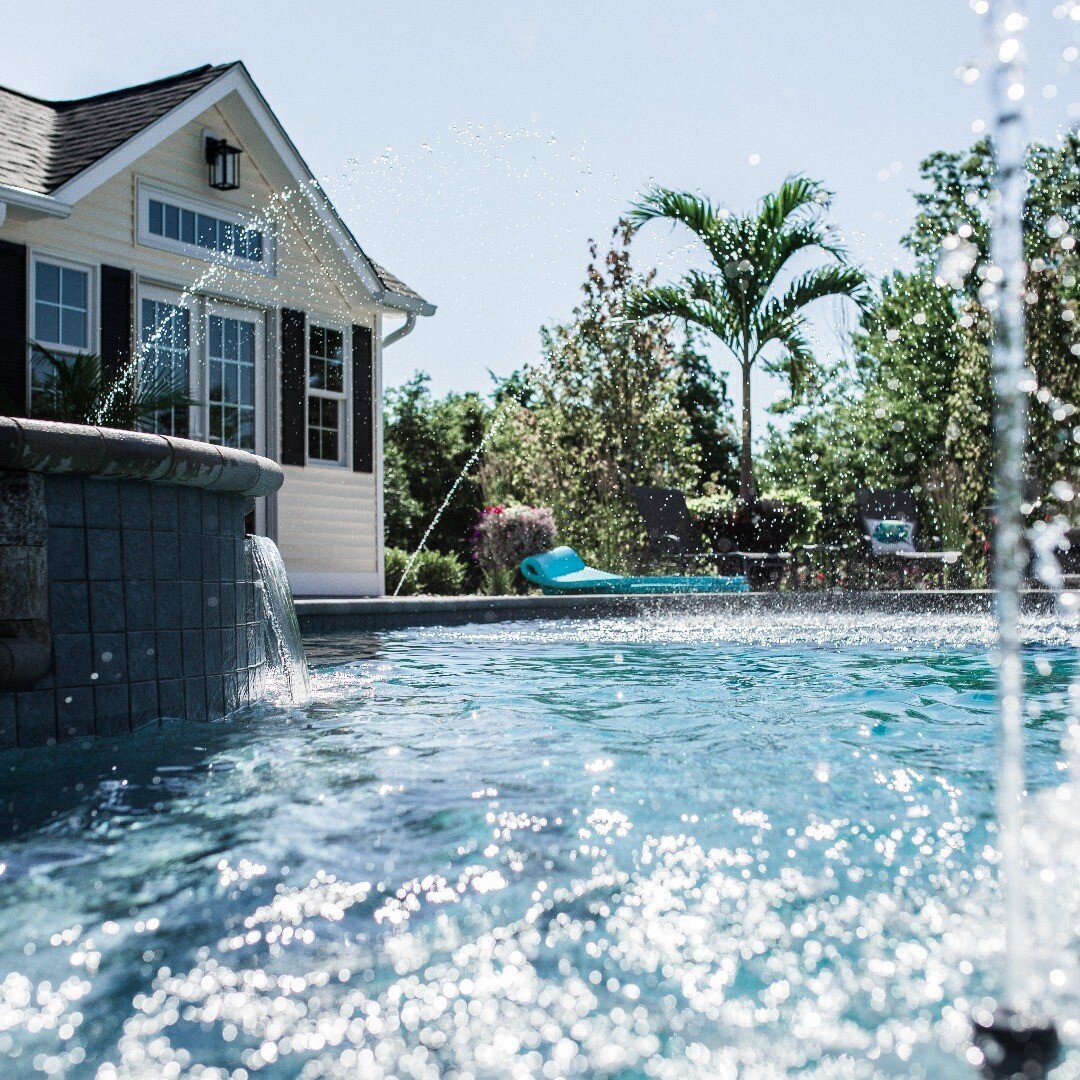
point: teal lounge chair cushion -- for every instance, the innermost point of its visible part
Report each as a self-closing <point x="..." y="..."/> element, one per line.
<point x="562" y="570"/>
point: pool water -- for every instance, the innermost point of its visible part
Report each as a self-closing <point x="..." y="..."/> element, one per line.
<point x="668" y="848"/>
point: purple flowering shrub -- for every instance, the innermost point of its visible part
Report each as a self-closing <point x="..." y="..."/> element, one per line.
<point x="505" y="535"/>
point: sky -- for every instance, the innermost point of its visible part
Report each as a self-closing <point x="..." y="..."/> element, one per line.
<point x="475" y="147"/>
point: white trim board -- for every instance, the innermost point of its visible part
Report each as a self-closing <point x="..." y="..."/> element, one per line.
<point x="329" y="584"/>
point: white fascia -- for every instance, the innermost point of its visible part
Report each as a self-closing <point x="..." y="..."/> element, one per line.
<point x="32" y="201"/>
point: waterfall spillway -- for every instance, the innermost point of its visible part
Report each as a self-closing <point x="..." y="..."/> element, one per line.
<point x="285" y="651"/>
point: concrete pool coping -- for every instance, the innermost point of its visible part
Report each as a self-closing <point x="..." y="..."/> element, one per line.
<point x="329" y="614"/>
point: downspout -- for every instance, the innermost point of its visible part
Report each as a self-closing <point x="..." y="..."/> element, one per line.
<point x="402" y="331"/>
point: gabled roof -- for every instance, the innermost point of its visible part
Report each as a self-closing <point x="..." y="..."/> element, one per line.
<point x="43" y="144"/>
<point x="62" y="149"/>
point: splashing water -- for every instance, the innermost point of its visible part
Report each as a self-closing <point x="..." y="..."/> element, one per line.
<point x="496" y="423"/>
<point x="1004" y="296"/>
<point x="283" y="628"/>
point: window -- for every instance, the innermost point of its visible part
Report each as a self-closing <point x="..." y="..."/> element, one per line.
<point x="61" y="315"/>
<point x="231" y="388"/>
<point x="164" y="356"/>
<point x="326" y="395"/>
<point x="228" y="238"/>
<point x="188" y="227"/>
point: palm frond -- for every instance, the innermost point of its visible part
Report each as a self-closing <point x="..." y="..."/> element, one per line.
<point x="794" y="194"/>
<point x="840" y="279"/>
<point x="675" y="302"/>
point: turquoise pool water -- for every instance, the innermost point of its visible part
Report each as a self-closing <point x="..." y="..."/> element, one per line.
<point x="634" y="848"/>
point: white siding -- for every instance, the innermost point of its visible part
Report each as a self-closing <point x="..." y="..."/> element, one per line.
<point x="327" y="520"/>
<point x="328" y="530"/>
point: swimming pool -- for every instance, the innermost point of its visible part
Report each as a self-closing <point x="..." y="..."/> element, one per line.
<point x="671" y="847"/>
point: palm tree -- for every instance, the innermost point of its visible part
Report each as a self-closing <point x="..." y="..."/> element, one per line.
<point x="76" y="390"/>
<point x="741" y="302"/>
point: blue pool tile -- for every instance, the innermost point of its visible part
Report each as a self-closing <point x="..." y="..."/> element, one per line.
<point x="103" y="554"/>
<point x="171" y="699"/>
<point x="142" y="656"/>
<point x="138" y="555"/>
<point x="170" y="661"/>
<point x="144" y="703"/>
<point x="211" y="562"/>
<point x="231" y="686"/>
<point x="74" y="712"/>
<point x="64" y="499"/>
<point x="215" y="697"/>
<point x="164" y="512"/>
<point x="101" y="503"/>
<point x="139" y="605"/>
<point x="211" y="524"/>
<point x="135" y="505"/>
<point x="72" y="660"/>
<point x="110" y="658"/>
<point x="190" y="556"/>
<point x="190" y="510"/>
<point x="167" y="605"/>
<point x="212" y="651"/>
<point x="69" y="607"/>
<point x="191" y="616"/>
<point x="36" y="717"/>
<point x="194" y="654"/>
<point x="8" y="727"/>
<point x="112" y="710"/>
<point x="106" y="606"/>
<point x="67" y="554"/>
<point x="166" y="556"/>
<point x="228" y="649"/>
<point x="195" y="699"/>
<point x="211" y="603"/>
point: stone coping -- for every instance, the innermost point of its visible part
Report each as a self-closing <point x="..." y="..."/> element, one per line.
<point x="334" y="614"/>
<point x="111" y="453"/>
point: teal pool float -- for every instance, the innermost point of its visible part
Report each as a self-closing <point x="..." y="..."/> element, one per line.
<point x="562" y="570"/>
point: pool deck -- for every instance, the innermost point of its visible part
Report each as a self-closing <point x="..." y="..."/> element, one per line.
<point x="365" y="614"/>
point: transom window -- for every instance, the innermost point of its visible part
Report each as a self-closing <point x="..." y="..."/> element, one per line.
<point x="231" y="396"/>
<point x="165" y="355"/>
<point x="326" y="394"/>
<point x="196" y="229"/>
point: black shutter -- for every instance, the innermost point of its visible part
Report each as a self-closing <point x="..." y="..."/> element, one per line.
<point x="12" y="328"/>
<point x="363" y="388"/>
<point x="115" y="322"/>
<point x="293" y="387"/>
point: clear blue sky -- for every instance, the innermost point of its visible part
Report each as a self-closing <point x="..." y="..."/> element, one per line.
<point x="474" y="147"/>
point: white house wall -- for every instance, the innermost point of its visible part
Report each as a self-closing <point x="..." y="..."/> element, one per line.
<point x="327" y="519"/>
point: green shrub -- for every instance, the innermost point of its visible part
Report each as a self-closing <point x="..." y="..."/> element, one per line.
<point x="434" y="573"/>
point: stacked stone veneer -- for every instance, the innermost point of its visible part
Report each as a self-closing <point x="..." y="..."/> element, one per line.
<point x="152" y="611"/>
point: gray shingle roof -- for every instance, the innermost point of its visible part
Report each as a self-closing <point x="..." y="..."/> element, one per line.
<point x="43" y="144"/>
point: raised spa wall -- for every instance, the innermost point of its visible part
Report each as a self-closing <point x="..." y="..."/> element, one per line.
<point x="126" y="588"/>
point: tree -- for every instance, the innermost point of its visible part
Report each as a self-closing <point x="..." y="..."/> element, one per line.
<point x="741" y="302"/>
<point x="427" y="442"/>
<point x="703" y="396"/>
<point x="601" y="414"/>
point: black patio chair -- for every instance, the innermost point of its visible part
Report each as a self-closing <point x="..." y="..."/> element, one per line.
<point x="675" y="538"/>
<point x="673" y="535"/>
<point x="874" y="506"/>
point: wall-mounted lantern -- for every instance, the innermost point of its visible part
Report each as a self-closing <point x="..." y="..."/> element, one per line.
<point x="223" y="161"/>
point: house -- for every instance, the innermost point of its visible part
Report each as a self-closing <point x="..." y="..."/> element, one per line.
<point x="174" y="226"/>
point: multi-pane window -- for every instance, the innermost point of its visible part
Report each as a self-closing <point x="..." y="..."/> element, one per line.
<point x="204" y="231"/>
<point x="326" y="394"/>
<point x="61" y="315"/>
<point x="164" y="358"/>
<point x="231" y="389"/>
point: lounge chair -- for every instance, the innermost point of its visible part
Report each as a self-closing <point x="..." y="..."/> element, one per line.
<point x="889" y="523"/>
<point x="675" y="538"/>
<point x="562" y="570"/>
